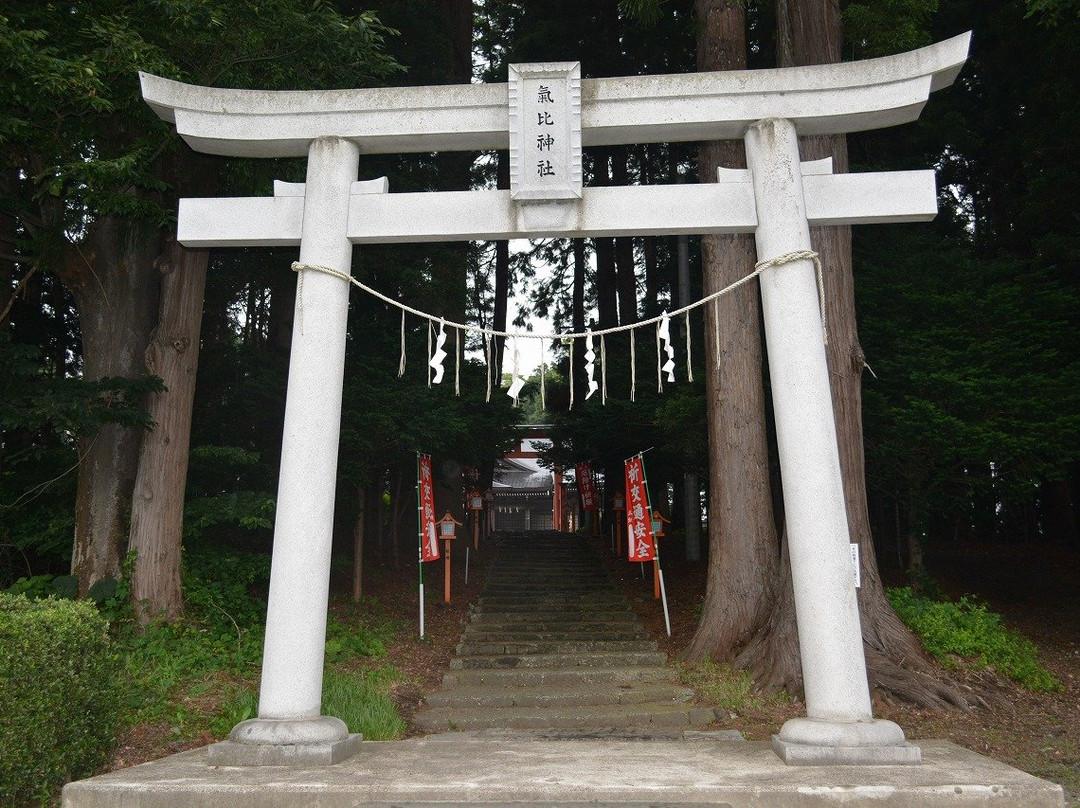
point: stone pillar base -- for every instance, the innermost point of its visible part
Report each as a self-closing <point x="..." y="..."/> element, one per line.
<point x="321" y="741"/>
<point x="813" y="742"/>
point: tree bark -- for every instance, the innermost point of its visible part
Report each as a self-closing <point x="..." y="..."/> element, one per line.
<point x="115" y="286"/>
<point x="157" y="507"/>
<point x="454" y="169"/>
<point x="607" y="302"/>
<point x="577" y="316"/>
<point x="809" y="32"/>
<point x="626" y="278"/>
<point x="743" y="553"/>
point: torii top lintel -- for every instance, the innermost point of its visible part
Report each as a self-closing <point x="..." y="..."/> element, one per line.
<point x="819" y="99"/>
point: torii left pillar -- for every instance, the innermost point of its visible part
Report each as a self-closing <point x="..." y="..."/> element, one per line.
<point x="290" y="728"/>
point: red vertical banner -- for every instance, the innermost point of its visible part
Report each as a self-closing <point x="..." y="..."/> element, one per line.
<point x="429" y="542"/>
<point x="638" y="523"/>
<point x="586" y="485"/>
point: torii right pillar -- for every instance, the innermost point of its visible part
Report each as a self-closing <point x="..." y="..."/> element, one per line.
<point x="839" y="726"/>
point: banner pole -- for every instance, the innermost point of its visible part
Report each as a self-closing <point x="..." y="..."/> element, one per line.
<point x="656" y="546"/>
<point x="663" y="599"/>
<point x="420" y="543"/>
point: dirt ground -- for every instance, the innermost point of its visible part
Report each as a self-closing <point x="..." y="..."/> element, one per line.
<point x="1033" y="586"/>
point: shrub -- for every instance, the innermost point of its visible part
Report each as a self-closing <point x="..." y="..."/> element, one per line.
<point x="58" y="691"/>
<point x="969" y="630"/>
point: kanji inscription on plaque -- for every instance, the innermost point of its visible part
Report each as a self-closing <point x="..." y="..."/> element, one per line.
<point x="545" y="131"/>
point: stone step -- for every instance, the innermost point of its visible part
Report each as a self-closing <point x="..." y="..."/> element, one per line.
<point x="585" y="595"/>
<point x="551" y="644"/>
<point x="530" y="608"/>
<point x="559" y="614"/>
<point x="504" y="678"/>
<point x="554" y="587"/>
<point x="570" y="634"/>
<point x="616" y="716"/>
<point x="564" y="589"/>
<point x="470" y="647"/>
<point x="560" y="696"/>
<point x="556" y="622"/>
<point x="605" y="660"/>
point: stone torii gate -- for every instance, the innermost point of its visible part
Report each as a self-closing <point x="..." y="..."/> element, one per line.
<point x="545" y="114"/>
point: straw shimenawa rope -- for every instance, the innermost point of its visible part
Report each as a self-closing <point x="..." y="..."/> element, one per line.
<point x="488" y="334"/>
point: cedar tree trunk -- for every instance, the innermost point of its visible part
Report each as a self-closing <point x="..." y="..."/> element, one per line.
<point x="115" y="285"/>
<point x="809" y="32"/>
<point x="743" y="552"/>
<point x="157" y="507"/>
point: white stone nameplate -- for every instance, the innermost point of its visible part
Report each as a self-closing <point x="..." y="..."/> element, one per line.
<point x="545" y="131"/>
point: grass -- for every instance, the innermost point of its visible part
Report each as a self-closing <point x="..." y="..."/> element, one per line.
<point x="199" y="676"/>
<point x="728" y="688"/>
<point x="361" y="699"/>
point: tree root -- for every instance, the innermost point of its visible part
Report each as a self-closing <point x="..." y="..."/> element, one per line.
<point x="897" y="666"/>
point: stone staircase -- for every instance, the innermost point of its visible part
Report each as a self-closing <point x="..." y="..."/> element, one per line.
<point x="552" y="645"/>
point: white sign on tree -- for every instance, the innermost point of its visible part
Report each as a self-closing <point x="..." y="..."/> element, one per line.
<point x="777" y="198"/>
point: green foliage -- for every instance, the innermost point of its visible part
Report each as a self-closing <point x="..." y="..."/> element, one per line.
<point x="967" y="629"/>
<point x="346" y="641"/>
<point x="239" y="704"/>
<point x="976" y="386"/>
<point x="361" y="700"/>
<point x="49" y="413"/>
<point x="219" y="469"/>
<point x="69" y="406"/>
<point x="884" y="27"/>
<point x="1053" y="12"/>
<point x="246" y="510"/>
<point x="58" y="687"/>
<point x="221" y="632"/>
<point x="66" y="587"/>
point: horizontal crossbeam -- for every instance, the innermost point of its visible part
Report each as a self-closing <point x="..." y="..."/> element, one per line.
<point x="819" y="99"/>
<point x="722" y="207"/>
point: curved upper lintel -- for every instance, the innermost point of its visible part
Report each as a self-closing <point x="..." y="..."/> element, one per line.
<point x="820" y="99"/>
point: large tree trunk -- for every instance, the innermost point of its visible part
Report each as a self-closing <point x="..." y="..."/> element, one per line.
<point x="743" y="552"/>
<point x="626" y="278"/>
<point x="157" y="507"/>
<point x="115" y="285"/>
<point x="607" y="287"/>
<point x="451" y="273"/>
<point x="809" y="32"/>
<point x="577" y="316"/>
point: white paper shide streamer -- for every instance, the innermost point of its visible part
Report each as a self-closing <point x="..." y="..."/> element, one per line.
<point x="590" y="365"/>
<point x="664" y="329"/>
<point x="438" y="355"/>
<point x="516" y="382"/>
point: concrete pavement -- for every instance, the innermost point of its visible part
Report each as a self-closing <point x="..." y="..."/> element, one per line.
<point x="502" y="767"/>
